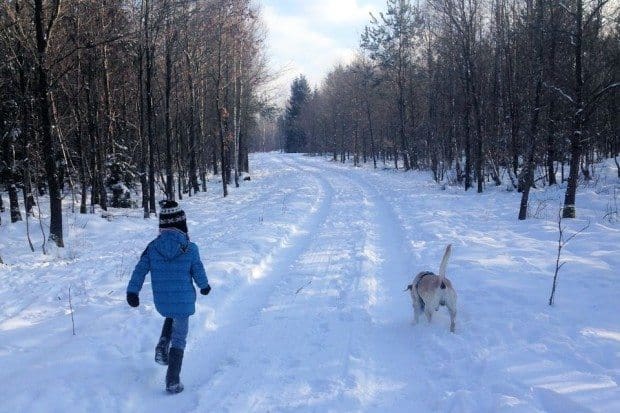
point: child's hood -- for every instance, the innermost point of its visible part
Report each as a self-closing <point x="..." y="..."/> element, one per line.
<point x="171" y="244"/>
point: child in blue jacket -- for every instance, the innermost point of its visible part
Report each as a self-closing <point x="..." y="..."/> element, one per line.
<point x="175" y="265"/>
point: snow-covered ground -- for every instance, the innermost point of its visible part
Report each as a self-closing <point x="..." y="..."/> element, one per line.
<point x="308" y="262"/>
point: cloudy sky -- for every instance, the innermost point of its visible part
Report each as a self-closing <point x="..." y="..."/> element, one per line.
<point x="310" y="36"/>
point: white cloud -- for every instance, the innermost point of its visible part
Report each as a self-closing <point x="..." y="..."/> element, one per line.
<point x="310" y="37"/>
<point x="341" y="11"/>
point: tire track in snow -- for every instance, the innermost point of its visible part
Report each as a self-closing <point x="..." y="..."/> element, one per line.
<point x="284" y="317"/>
<point x="326" y="330"/>
<point x="219" y="346"/>
<point x="384" y="336"/>
<point x="401" y="364"/>
<point x="427" y="368"/>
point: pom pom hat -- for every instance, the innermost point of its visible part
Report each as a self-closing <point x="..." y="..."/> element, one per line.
<point x="172" y="216"/>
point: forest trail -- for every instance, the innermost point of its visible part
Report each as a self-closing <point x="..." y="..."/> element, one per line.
<point x="313" y="333"/>
<point x="308" y="262"/>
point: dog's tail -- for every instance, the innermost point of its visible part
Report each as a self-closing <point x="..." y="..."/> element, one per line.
<point x="444" y="264"/>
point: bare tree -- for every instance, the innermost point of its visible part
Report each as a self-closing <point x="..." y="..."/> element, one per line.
<point x="562" y="241"/>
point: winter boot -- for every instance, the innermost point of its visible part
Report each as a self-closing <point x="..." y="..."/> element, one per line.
<point x="161" y="351"/>
<point x="175" y="360"/>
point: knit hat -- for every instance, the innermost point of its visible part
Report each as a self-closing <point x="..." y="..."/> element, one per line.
<point x="172" y="216"/>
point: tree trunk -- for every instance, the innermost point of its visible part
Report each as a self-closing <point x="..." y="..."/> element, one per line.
<point x="16" y="214"/>
<point x="576" y="137"/>
<point x="467" y="131"/>
<point x="149" y="108"/>
<point x="372" y="138"/>
<point x="98" y="192"/>
<point x="168" y="90"/>
<point x="222" y="116"/>
<point x="551" y="143"/>
<point x="479" y="145"/>
<point x="222" y="113"/>
<point x="193" y="178"/>
<point x="551" y="113"/>
<point x="202" y="139"/>
<point x="237" y="90"/>
<point x="401" y="122"/>
<point x="142" y="166"/>
<point x="26" y="131"/>
<point x="528" y="180"/>
<point x="49" y="153"/>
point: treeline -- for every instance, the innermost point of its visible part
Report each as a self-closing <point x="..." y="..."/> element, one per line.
<point x="102" y="96"/>
<point x="524" y="91"/>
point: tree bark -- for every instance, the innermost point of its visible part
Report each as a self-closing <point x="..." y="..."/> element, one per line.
<point x="528" y="180"/>
<point x="149" y="106"/>
<point x="168" y="91"/>
<point x="49" y="153"/>
<point x="576" y="137"/>
<point x="193" y="178"/>
<point x="16" y="215"/>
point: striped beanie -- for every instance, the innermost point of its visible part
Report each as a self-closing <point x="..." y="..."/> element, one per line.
<point x="172" y="216"/>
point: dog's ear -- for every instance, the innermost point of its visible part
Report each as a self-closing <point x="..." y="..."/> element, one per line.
<point x="409" y="287"/>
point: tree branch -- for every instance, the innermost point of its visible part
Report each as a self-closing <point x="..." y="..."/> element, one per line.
<point x="560" y="92"/>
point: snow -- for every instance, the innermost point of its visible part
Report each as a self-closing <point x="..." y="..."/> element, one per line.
<point x="308" y="263"/>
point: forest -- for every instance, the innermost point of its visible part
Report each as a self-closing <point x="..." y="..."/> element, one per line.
<point x="114" y="102"/>
<point x="104" y="101"/>
<point x="413" y="155"/>
<point x="517" y="92"/>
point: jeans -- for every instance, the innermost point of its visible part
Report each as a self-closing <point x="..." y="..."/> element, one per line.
<point x="180" y="327"/>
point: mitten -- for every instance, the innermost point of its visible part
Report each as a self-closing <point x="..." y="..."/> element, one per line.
<point x="206" y="290"/>
<point x="133" y="300"/>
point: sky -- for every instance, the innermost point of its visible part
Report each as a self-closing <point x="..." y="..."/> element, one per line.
<point x="310" y="37"/>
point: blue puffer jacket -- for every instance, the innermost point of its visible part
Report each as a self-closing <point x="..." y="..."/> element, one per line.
<point x="173" y="262"/>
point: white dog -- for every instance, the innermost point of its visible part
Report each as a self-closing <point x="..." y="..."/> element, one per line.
<point x="429" y="291"/>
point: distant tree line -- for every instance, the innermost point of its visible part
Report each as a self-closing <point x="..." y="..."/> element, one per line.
<point x="523" y="91"/>
<point x="99" y="97"/>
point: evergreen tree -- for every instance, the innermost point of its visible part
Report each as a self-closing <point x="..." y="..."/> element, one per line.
<point x="390" y="41"/>
<point x="294" y="134"/>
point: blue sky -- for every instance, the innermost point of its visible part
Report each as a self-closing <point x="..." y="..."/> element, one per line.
<point x="311" y="36"/>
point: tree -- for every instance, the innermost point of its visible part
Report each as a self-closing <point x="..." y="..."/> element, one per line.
<point x="44" y="27"/>
<point x="485" y="94"/>
<point x="390" y="41"/>
<point x="586" y="92"/>
<point x="537" y="79"/>
<point x="97" y="95"/>
<point x="294" y="134"/>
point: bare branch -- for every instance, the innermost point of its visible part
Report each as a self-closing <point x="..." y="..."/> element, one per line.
<point x="560" y="92"/>
<point x="577" y="233"/>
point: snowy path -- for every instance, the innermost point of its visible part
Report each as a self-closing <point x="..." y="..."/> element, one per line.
<point x="308" y="263"/>
<point x="310" y="338"/>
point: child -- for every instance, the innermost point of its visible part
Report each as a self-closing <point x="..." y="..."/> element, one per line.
<point x="173" y="262"/>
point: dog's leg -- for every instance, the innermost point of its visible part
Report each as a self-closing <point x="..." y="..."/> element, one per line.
<point x="452" y="312"/>
<point x="417" y="304"/>
<point x="418" y="308"/>
<point x="428" y="310"/>
<point x="416" y="314"/>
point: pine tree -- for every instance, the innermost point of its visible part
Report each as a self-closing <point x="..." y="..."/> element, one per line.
<point x="294" y="134"/>
<point x="390" y="41"/>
